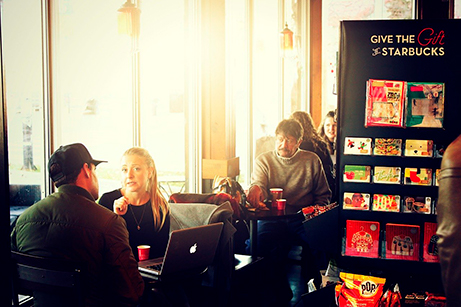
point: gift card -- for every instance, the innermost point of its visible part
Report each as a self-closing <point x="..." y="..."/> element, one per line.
<point x="356" y="201"/>
<point x="384" y="103"/>
<point x="387" y="174"/>
<point x="425" y="105"/>
<point x="431" y="250"/>
<point x="418" y="148"/>
<point x="386" y="202"/>
<point x="402" y="242"/>
<point x="418" y="176"/>
<point x="387" y="147"/>
<point x="362" y="238"/>
<point x="357" y="173"/>
<point x="417" y="204"/>
<point x="357" y="146"/>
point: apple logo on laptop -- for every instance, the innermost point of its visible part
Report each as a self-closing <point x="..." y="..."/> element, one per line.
<point x="193" y="248"/>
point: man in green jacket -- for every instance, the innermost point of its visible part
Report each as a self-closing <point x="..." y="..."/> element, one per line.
<point x="69" y="224"/>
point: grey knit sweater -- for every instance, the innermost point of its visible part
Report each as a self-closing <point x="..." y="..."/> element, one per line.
<point x="302" y="177"/>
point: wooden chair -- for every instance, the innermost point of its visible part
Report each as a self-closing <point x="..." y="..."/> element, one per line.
<point x="54" y="281"/>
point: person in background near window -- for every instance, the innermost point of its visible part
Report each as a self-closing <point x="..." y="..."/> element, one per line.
<point x="147" y="215"/>
<point x="312" y="141"/>
<point x="327" y="130"/>
<point x="69" y="224"/>
<point x="301" y="176"/>
<point x="449" y="222"/>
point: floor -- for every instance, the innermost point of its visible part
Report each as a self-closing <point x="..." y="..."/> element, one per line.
<point x="297" y="285"/>
<point x="245" y="291"/>
<point x="250" y="288"/>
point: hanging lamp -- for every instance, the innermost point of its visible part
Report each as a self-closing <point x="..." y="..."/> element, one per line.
<point x="286" y="39"/>
<point x="128" y="19"/>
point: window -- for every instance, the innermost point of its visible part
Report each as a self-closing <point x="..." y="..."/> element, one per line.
<point x="163" y="97"/>
<point x="238" y="78"/>
<point x="457" y="4"/>
<point x="24" y="92"/>
<point x="333" y="11"/>
<point x="112" y="91"/>
<point x="92" y="83"/>
<point x="266" y="85"/>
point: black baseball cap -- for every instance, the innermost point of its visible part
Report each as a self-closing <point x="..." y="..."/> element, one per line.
<point x="69" y="159"/>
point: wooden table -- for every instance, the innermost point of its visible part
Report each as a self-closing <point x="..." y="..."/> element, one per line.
<point x="273" y="214"/>
<point x="322" y="230"/>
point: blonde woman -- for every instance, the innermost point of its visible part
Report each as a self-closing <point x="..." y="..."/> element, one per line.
<point x="140" y="202"/>
<point x="327" y="130"/>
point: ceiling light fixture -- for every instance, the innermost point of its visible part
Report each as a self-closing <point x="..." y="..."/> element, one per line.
<point x="286" y="39"/>
<point x="128" y="19"/>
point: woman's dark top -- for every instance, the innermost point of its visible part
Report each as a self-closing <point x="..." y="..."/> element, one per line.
<point x="146" y="235"/>
<point x="322" y="151"/>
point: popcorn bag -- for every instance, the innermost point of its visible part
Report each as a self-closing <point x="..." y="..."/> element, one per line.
<point x="359" y="290"/>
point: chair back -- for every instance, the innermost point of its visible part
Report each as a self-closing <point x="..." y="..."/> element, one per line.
<point x="50" y="281"/>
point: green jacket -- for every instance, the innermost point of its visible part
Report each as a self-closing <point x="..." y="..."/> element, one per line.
<point x="69" y="224"/>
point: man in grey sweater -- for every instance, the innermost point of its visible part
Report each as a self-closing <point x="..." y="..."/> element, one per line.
<point x="301" y="176"/>
<point x="300" y="173"/>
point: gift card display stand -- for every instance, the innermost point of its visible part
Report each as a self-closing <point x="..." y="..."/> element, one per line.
<point x="398" y="108"/>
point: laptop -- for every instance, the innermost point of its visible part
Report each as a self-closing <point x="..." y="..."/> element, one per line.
<point x="189" y="250"/>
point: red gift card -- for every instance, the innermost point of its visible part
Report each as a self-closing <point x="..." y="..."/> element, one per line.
<point x="402" y="242"/>
<point x="430" y="251"/>
<point x="385" y="202"/>
<point x="362" y="238"/>
<point x="385" y="103"/>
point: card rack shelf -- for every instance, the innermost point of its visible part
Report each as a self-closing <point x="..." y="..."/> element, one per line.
<point x="360" y="60"/>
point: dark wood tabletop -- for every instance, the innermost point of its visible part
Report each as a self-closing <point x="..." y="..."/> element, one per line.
<point x="272" y="213"/>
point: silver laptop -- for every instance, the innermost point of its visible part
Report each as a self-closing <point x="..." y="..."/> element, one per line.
<point x="188" y="250"/>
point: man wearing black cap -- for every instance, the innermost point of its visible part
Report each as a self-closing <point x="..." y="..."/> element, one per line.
<point x="69" y="224"/>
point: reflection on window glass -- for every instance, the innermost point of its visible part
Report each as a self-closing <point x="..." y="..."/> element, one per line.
<point x="333" y="11"/>
<point x="22" y="51"/>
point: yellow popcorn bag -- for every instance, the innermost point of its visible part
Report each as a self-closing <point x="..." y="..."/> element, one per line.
<point x="359" y="290"/>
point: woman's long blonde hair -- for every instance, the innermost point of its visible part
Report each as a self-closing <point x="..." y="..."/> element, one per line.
<point x="158" y="202"/>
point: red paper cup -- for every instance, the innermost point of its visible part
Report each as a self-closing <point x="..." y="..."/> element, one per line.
<point x="276" y="193"/>
<point x="143" y="252"/>
<point x="281" y="203"/>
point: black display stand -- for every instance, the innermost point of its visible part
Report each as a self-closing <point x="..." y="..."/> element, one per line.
<point x="382" y="50"/>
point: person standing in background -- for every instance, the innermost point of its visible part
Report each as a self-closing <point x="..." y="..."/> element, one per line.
<point x="312" y="141"/>
<point x="449" y="222"/>
<point x="327" y="130"/>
